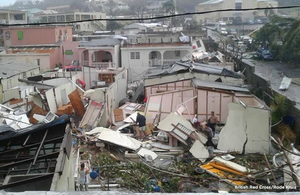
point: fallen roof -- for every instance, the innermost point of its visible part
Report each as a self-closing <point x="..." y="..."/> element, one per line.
<point x="116" y="138"/>
<point x="11" y="69"/>
<point x="194" y="67"/>
<point x="217" y="85"/>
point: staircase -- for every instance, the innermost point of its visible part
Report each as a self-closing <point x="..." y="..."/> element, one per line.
<point x="100" y="25"/>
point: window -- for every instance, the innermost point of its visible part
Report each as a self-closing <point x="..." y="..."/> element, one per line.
<point x="134" y="55"/>
<point x="153" y="55"/>
<point x="20" y="35"/>
<point x="137" y="55"/>
<point x="198" y="43"/>
<point x="177" y="53"/>
<point x="37" y="62"/>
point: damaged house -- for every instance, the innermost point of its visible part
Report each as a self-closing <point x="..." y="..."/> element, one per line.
<point x="37" y="158"/>
<point x="233" y="105"/>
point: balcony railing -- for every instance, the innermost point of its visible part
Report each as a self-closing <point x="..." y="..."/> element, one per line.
<point x="13" y="22"/>
<point x="99" y="65"/>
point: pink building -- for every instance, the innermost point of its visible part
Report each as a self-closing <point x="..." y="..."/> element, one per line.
<point x="46" y="47"/>
<point x="101" y="53"/>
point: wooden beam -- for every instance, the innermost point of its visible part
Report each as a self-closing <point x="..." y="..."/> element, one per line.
<point x="77" y="103"/>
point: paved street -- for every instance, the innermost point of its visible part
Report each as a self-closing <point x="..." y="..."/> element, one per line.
<point x="274" y="72"/>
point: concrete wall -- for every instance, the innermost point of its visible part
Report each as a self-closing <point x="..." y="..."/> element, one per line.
<point x="69" y="46"/>
<point x="37" y="35"/>
<point x="137" y="67"/>
<point x="45" y="63"/>
<point x="115" y="93"/>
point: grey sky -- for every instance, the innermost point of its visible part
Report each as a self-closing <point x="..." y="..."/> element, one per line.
<point x="6" y="2"/>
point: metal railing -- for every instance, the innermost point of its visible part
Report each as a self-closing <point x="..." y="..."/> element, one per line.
<point x="99" y="65"/>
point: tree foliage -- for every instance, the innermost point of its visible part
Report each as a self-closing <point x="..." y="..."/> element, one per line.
<point x="282" y="37"/>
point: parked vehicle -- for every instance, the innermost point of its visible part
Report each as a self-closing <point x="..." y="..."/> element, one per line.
<point x="258" y="21"/>
<point x="264" y="54"/>
<point x="233" y="31"/>
<point x="220" y="25"/>
<point x="223" y="31"/>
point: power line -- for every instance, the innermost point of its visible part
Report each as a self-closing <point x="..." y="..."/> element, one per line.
<point x="152" y="18"/>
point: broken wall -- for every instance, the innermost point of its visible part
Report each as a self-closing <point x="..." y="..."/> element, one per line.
<point x="167" y="87"/>
<point x="213" y="101"/>
<point x="165" y="103"/>
<point x="89" y="74"/>
<point x="115" y="93"/>
<point x="247" y="130"/>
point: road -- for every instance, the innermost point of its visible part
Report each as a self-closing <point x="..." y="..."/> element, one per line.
<point x="274" y="72"/>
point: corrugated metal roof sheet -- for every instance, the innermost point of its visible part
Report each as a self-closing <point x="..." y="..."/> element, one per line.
<point x="217" y="85"/>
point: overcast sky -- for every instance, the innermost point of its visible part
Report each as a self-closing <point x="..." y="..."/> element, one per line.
<point x="6" y="2"/>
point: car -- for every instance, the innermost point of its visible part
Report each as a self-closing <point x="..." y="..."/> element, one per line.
<point x="264" y="54"/>
<point x="258" y="21"/>
<point x="223" y="31"/>
<point x="232" y="31"/>
<point x="250" y="22"/>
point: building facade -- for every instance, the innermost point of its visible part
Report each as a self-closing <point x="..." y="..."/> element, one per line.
<point x="41" y="46"/>
<point x="231" y="4"/>
<point x="78" y="16"/>
<point x="102" y="53"/>
<point x="156" y="51"/>
<point x="13" y="17"/>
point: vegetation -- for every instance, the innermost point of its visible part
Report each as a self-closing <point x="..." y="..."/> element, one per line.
<point x="281" y="36"/>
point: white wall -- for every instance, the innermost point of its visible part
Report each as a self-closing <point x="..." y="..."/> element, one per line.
<point x="137" y="67"/>
<point x="28" y="59"/>
<point x="116" y="92"/>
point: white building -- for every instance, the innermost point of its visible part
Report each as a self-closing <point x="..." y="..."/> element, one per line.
<point x="25" y="2"/>
<point x="211" y="5"/>
<point x="77" y="16"/>
<point x="9" y="75"/>
<point x="146" y="51"/>
<point x="13" y="17"/>
<point x="136" y="28"/>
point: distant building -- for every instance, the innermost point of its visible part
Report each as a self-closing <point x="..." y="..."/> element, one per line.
<point x="104" y="4"/>
<point x="60" y="9"/>
<point x="231" y="16"/>
<point x="25" y="2"/>
<point x="41" y="46"/>
<point x="9" y="75"/>
<point x="77" y="16"/>
<point x="13" y="17"/>
<point x="136" y="28"/>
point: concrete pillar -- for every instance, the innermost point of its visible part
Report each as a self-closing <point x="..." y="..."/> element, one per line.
<point x="162" y="57"/>
<point x="8" y="18"/>
<point x="90" y="57"/>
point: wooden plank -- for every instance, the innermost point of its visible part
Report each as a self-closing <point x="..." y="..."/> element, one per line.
<point x="118" y="113"/>
<point x="36" y="110"/>
<point x="15" y="101"/>
<point x="77" y="103"/>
